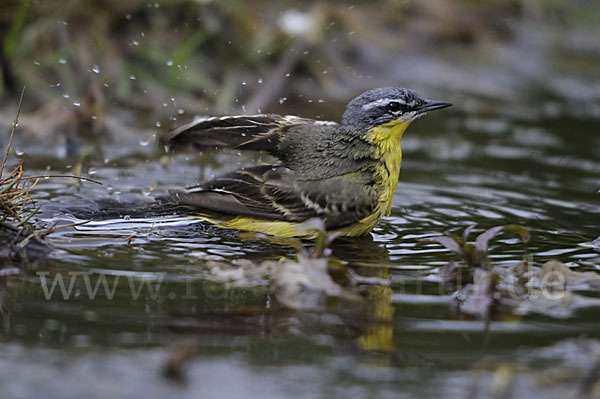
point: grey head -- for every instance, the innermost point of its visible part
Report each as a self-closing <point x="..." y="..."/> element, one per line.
<point x="386" y="104"/>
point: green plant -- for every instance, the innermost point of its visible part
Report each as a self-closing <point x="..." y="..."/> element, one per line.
<point x="475" y="254"/>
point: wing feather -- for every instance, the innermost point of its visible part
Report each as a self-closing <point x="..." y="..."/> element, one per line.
<point x="271" y="192"/>
<point x="262" y="132"/>
<point x="252" y="132"/>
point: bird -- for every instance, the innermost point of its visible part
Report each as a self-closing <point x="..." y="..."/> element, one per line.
<point x="344" y="174"/>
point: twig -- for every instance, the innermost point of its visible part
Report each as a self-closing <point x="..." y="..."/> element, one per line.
<point x="68" y="176"/>
<point x="12" y="132"/>
<point x="22" y="222"/>
<point x="63" y="226"/>
<point x="368" y="280"/>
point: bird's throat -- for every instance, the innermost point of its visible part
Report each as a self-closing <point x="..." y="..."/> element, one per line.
<point x="387" y="136"/>
<point x="386" y="139"/>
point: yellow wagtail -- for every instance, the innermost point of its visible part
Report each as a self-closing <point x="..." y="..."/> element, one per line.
<point x="345" y="174"/>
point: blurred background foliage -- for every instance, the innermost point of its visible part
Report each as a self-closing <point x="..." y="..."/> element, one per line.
<point x="86" y="61"/>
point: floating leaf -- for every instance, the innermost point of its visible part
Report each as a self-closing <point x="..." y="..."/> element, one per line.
<point x="311" y="224"/>
<point x="305" y="284"/>
<point x="468" y="231"/>
<point x="481" y="243"/>
<point x="555" y="272"/>
<point x="595" y="245"/>
<point x="450" y="242"/>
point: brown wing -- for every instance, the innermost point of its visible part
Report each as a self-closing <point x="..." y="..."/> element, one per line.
<point x="272" y="192"/>
<point x="251" y="132"/>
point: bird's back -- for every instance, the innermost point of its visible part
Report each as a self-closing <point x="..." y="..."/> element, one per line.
<point x="324" y="151"/>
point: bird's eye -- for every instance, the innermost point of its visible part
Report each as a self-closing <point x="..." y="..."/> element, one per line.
<point x="393" y="106"/>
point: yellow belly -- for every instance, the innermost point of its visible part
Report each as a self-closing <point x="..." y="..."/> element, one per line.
<point x="280" y="228"/>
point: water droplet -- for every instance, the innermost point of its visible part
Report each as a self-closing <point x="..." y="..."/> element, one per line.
<point x="296" y="23"/>
<point x="157" y="124"/>
<point x="325" y="72"/>
<point x="287" y="75"/>
<point x="94" y="117"/>
<point x="19" y="152"/>
<point x="95" y="68"/>
<point x="169" y="63"/>
<point x="244" y="83"/>
<point x="128" y="17"/>
<point x="92" y="171"/>
<point x="66" y="95"/>
<point x="282" y="100"/>
<point x="106" y="160"/>
<point x="62" y="61"/>
<point x="36" y="63"/>
<point x="321" y="100"/>
<point x="77" y="104"/>
<point x="180" y="111"/>
<point x="165" y="105"/>
<point x="132" y="77"/>
<point x="260" y="81"/>
<point x="135" y="43"/>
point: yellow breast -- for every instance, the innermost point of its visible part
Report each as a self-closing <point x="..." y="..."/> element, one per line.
<point x="386" y="138"/>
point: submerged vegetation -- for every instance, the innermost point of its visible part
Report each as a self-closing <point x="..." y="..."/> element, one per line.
<point x="489" y="291"/>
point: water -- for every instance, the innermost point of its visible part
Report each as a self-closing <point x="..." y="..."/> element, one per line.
<point x="173" y="285"/>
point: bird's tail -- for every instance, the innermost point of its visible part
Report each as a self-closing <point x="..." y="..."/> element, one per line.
<point x="108" y="208"/>
<point x="111" y="214"/>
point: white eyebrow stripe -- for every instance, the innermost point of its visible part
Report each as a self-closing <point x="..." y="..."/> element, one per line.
<point x="380" y="102"/>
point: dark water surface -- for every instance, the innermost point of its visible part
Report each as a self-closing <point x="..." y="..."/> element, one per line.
<point x="178" y="284"/>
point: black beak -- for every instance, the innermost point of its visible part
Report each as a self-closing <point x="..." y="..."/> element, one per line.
<point x="430" y="105"/>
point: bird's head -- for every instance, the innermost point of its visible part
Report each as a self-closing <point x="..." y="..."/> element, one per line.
<point x="387" y="106"/>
